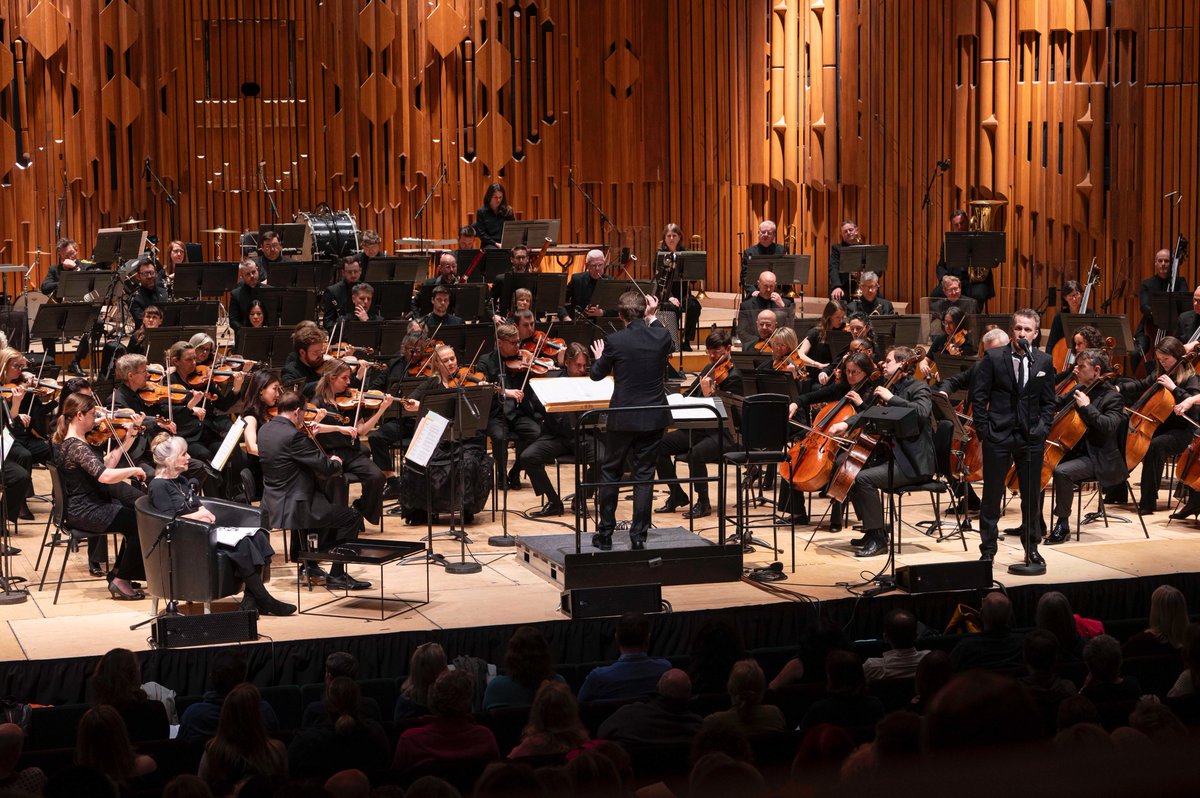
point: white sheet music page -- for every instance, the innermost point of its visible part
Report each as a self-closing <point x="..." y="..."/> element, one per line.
<point x="425" y="440"/>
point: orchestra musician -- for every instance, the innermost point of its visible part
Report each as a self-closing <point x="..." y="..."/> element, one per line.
<point x="522" y="299"/>
<point x="814" y="349"/>
<point x="955" y="337"/>
<point x="361" y="298"/>
<point x="440" y="315"/>
<point x="189" y="417"/>
<point x="304" y="362"/>
<point x="490" y="218"/>
<point x="763" y="247"/>
<point x="292" y="464"/>
<point x="271" y="246"/>
<point x="1189" y="324"/>
<point x="148" y="293"/>
<point x="466" y="237"/>
<point x="512" y="418"/>
<point x="871" y="303"/>
<point x="702" y="446"/>
<point x="862" y="336"/>
<point x="1072" y="301"/>
<point x="256" y="408"/>
<point x="152" y="319"/>
<point x="132" y="373"/>
<point x="176" y="257"/>
<point x="172" y="493"/>
<point x="634" y="357"/>
<point x="1157" y="283"/>
<point x="557" y="438"/>
<point x="518" y="259"/>
<point x="979" y="290"/>
<point x="1085" y="337"/>
<point x="88" y="505"/>
<point x="1098" y="456"/>
<point x="527" y="330"/>
<point x="783" y="344"/>
<point x="372" y="247"/>
<point x="915" y="461"/>
<point x="447" y="271"/>
<point x="960" y="222"/>
<point x="581" y="286"/>
<point x="67" y="252"/>
<point x="246" y="293"/>
<point x="952" y="296"/>
<point x="1012" y="401"/>
<point x="18" y="464"/>
<point x="765" y="324"/>
<point x="336" y="301"/>
<point x="671" y="242"/>
<point x="850" y="236"/>
<point x="256" y="319"/>
<point x="763" y="297"/>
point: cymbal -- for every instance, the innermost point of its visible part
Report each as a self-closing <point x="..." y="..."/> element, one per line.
<point x="37" y="252"/>
<point x="131" y="220"/>
<point x="219" y="231"/>
<point x="428" y="242"/>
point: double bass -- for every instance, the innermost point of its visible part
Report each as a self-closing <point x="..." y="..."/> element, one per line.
<point x="1063" y="353"/>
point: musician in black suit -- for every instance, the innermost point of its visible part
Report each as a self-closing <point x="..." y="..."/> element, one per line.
<point x="581" y="286"/>
<point x="1189" y="324"/>
<point x="1098" y="455"/>
<point x="361" y="298"/>
<point x="292" y="465"/>
<point x="336" y="301"/>
<point x="439" y="314"/>
<point x="518" y="259"/>
<point x="636" y="359"/>
<point x="871" y="303"/>
<point x="372" y="247"/>
<point x="513" y="416"/>
<point x="1159" y="282"/>
<point x="271" y="246"/>
<point x="978" y="290"/>
<point x="839" y="285"/>
<point x="302" y="369"/>
<point x="952" y="296"/>
<point x="148" y="293"/>
<point x="1012" y="400"/>
<point x="915" y="459"/>
<point x="244" y="295"/>
<point x="765" y="246"/>
<point x="764" y="297"/>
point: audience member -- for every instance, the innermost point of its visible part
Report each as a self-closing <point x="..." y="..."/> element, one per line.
<point x="1055" y="616"/>
<point x="79" y="781"/>
<point x="933" y="673"/>
<point x="450" y="733"/>
<point x="200" y="720"/>
<point x="509" y="780"/>
<point x="187" y="785"/>
<point x="242" y="747"/>
<point x="1156" y="720"/>
<point x="718" y="775"/>
<point x="352" y="783"/>
<point x="716" y="646"/>
<point x="1168" y="625"/>
<point x="818" y="639"/>
<point x="746" y="685"/>
<point x="616" y="754"/>
<point x="1047" y="687"/>
<point x="593" y="775"/>
<point x="1085" y="738"/>
<point x="1188" y="681"/>
<point x="102" y="742"/>
<point x="527" y="663"/>
<point x="997" y="647"/>
<point x="554" y="726"/>
<point x="636" y="673"/>
<point x="427" y="663"/>
<point x="1104" y="681"/>
<point x="1074" y="710"/>
<point x="848" y="705"/>
<point x="343" y="740"/>
<point x="29" y="780"/>
<point x="117" y="682"/>
<point x="432" y="787"/>
<point x="898" y="737"/>
<point x="823" y="747"/>
<point x="340" y="663"/>
<point x="901" y="659"/>
<point x="664" y="719"/>
<point x="980" y="710"/>
<point x="721" y="736"/>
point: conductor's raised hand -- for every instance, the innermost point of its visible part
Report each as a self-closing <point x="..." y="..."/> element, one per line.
<point x="597" y="348"/>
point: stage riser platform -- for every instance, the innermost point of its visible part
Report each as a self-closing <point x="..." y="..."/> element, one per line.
<point x="674" y="556"/>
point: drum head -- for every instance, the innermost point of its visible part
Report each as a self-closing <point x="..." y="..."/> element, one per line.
<point x="31" y="303"/>
<point x="334" y="235"/>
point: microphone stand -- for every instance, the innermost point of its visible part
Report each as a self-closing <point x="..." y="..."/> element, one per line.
<point x="262" y="177"/>
<point x="604" y="217"/>
<point x="463" y="566"/>
<point x="153" y="179"/>
<point x="420" y="214"/>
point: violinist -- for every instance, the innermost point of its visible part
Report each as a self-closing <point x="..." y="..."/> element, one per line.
<point x="132" y="373"/>
<point x="954" y="339"/>
<point x="26" y="408"/>
<point x="860" y="331"/>
<point x="255" y="409"/>
<point x="765" y="325"/>
<point x="361" y="297"/>
<point x="224" y="390"/>
<point x="1098" y="456"/>
<point x="88" y="506"/>
<point x="871" y="303"/>
<point x="189" y="416"/>
<point x="491" y="216"/>
<point x="785" y="354"/>
<point x="1012" y="401"/>
<point x="303" y="364"/>
<point x="850" y="236"/>
<point x="763" y="247"/>
<point x="440" y="315"/>
<point x="519" y="263"/>
<point x="344" y="439"/>
<point x="814" y="349"/>
<point x="702" y="446"/>
<point x="581" y="286"/>
<point x="1072" y="301"/>
<point x="292" y="464"/>
<point x="522" y="299"/>
<point x="677" y="290"/>
<point x="152" y="319"/>
<point x="256" y="319"/>
<point x="336" y="301"/>
<point x="530" y="337"/>
<point x="558" y="438"/>
<point x="512" y="418"/>
<point x="20" y="459"/>
<point x="764" y="297"/>
<point x="915" y="460"/>
<point x="1171" y="438"/>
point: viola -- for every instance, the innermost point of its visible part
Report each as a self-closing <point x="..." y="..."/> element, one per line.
<point x="955" y="343"/>
<point x="423" y="362"/>
<point x="311" y="413"/>
<point x="540" y="341"/>
<point x="538" y="366"/>
<point x="111" y="424"/>
<point x="350" y="399"/>
<point x="718" y="370"/>
<point x="464" y="376"/>
<point x="792" y="359"/>
<point x="200" y="377"/>
<point x="176" y="394"/>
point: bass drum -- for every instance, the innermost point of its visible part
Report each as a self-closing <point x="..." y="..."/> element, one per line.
<point x="333" y="235"/>
<point x="30" y="302"/>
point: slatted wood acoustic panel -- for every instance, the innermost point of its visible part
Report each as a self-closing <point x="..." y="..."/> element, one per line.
<point x="1080" y="115"/>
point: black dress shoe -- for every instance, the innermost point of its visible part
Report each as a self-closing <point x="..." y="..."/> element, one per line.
<point x="75" y="369"/>
<point x="1061" y="532"/>
<point x="699" y="510"/>
<point x="1147" y="508"/>
<point x="1186" y="512"/>
<point x="602" y="542"/>
<point x="391" y="489"/>
<point x="637" y="545"/>
<point x="671" y="505"/>
<point x="9" y="551"/>
<point x="94" y="569"/>
<point x="346" y="582"/>
<point x="987" y="556"/>
<point x="873" y="547"/>
<point x="25" y="514"/>
<point x="549" y="510"/>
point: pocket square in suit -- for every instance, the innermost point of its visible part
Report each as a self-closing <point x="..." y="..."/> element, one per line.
<point x="1040" y="374"/>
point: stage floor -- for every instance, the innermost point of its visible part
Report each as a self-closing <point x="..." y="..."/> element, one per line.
<point x="87" y="622"/>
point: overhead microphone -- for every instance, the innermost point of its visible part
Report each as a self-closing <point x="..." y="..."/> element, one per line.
<point x="944" y="164"/>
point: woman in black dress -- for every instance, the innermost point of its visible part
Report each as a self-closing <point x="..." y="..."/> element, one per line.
<point x="256" y="409"/>
<point x="88" y="506"/>
<point x="490" y="219"/>
<point x="171" y="492"/>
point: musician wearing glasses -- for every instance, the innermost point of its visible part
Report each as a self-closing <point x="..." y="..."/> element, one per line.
<point x="336" y="300"/>
<point x="955" y="338"/>
<point x="850" y="237"/>
<point x="871" y="303"/>
<point x="271" y="246"/>
<point x="581" y="286"/>
<point x="518" y="260"/>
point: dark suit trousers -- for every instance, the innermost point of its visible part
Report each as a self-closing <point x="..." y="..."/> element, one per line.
<point x="501" y="429"/>
<point x="997" y="457"/>
<point x="356" y="462"/>
<point x="1067" y="475"/>
<point x="701" y="448"/>
<point x="864" y="493"/>
<point x="545" y="451"/>
<point x="642" y="449"/>
<point x="1165" y="443"/>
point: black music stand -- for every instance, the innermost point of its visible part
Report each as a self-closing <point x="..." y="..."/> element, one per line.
<point x="464" y="258"/>
<point x="583" y="332"/>
<point x="531" y="234"/>
<point x="890" y="424"/>
<point x="73" y="286"/>
<point x="475" y="334"/>
<point x="1110" y="325"/>
<point x="397" y="268"/>
<point x="287" y="306"/>
<point x="205" y="279"/>
<point x="776" y="382"/>
<point x="391" y="336"/>
<point x="270" y="345"/>
<point x="115" y="245"/>
<point x="747" y="362"/>
<point x="1166" y="307"/>
<point x="549" y="290"/>
<point x="190" y="314"/>
<point x="65" y="320"/>
<point x="291" y="234"/>
<point x="951" y="365"/>
<point x="862" y="258"/>
<point x="788" y="269"/>
<point x="160" y="339"/>
<point x="363" y="334"/>
<point x="313" y="275"/>
<point x="608" y="292"/>
<point x="392" y="298"/>
<point x="976" y="249"/>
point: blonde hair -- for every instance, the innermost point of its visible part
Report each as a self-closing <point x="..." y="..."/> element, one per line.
<point x="333" y="369"/>
<point x="7" y="356"/>
<point x="166" y="449"/>
<point x="1168" y="614"/>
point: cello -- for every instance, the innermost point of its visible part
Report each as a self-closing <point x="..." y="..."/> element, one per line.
<point x="1063" y="353"/>
<point x="810" y="460"/>
<point x="1147" y="414"/>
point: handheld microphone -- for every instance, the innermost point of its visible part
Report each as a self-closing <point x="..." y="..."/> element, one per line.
<point x="193" y="489"/>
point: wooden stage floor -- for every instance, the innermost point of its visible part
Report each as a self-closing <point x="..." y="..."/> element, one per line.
<point x="86" y="622"/>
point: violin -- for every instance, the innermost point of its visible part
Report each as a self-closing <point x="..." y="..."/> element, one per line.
<point x="344" y="350"/>
<point x="793" y="358"/>
<point x="464" y="376"/>
<point x="424" y="365"/>
<point x="40" y="387"/>
<point x="9" y="388"/>
<point x="239" y="363"/>
<point x="351" y="398"/>
<point x="374" y="365"/>
<point x="311" y="412"/>
<point x="547" y="345"/>
<point x="111" y="424"/>
<point x="718" y="370"/>
<point x="538" y="366"/>
<point x="176" y="394"/>
<point x="155" y="372"/>
<point x="955" y="343"/>
<point x="200" y="377"/>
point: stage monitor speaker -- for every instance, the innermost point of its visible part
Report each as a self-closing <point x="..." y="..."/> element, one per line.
<point x="938" y="576"/>
<point x="606" y="602"/>
<point x="176" y="631"/>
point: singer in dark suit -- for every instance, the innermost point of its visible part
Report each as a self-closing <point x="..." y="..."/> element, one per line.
<point x="292" y="465"/>
<point x="636" y="358"/>
<point x="1012" y="399"/>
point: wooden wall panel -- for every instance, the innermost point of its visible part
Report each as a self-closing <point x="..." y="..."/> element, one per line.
<point x="714" y="114"/>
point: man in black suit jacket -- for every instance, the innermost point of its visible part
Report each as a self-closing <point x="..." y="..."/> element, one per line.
<point x="915" y="459"/>
<point x="871" y="302"/>
<point x="636" y="358"/>
<point x="244" y="294"/>
<point x="1189" y="324"/>
<point x="1098" y="456"/>
<point x="292" y="465"/>
<point x="1012" y="400"/>
<point x="336" y="301"/>
<point x="1158" y="283"/>
<point x="581" y="287"/>
<point x="764" y="247"/>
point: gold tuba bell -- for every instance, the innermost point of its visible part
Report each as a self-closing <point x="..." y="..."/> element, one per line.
<point x="985" y="215"/>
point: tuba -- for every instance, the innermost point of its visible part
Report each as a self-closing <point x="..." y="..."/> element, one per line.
<point x="985" y="215"/>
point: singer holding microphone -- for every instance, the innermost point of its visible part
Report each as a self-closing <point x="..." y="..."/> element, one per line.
<point x="1012" y="399"/>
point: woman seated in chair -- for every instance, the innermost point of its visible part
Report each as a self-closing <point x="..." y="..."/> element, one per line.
<point x="172" y="493"/>
<point x="89" y="507"/>
<point x="256" y="408"/>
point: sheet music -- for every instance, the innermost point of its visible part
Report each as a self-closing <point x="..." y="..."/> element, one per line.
<point x="229" y="444"/>
<point x="425" y="440"/>
<point x="6" y="444"/>
<point x="572" y="394"/>
<point x="678" y="413"/>
<point x="232" y="535"/>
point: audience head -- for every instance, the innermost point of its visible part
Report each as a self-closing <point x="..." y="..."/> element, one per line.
<point x="342" y="697"/>
<point x="12" y="742"/>
<point x="1084" y="737"/>
<point x="450" y="695"/>
<point x="351" y="783"/>
<point x="934" y="672"/>
<point x="746" y="685"/>
<point x="1169" y="614"/>
<point x="823" y="746"/>
<point x="1156" y="720"/>
<point x="898" y="734"/>
<point x="996" y="612"/>
<point x="633" y="632"/>
<point x="844" y="674"/>
<point x="979" y="709"/>
<point x="117" y="679"/>
<point x="723" y="736"/>
<point x="1055" y="616"/>
<point x="241" y="724"/>
<point x="432" y="787"/>
<point x="427" y="663"/>
<point x="593" y="774"/>
<point x="102" y="742"/>
<point x="187" y="785"/>
<point x="716" y="646"/>
<point x="508" y="780"/>
<point x="555" y="714"/>
<point x="718" y="775"/>
<point x="900" y="628"/>
<point x="1102" y="655"/>
<point x="1040" y="650"/>
<point x="1076" y="709"/>
<point x="340" y="663"/>
<point x="675" y="685"/>
<point x="527" y="659"/>
<point x="227" y="672"/>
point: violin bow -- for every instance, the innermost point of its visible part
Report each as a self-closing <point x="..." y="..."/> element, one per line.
<point x="541" y="345"/>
